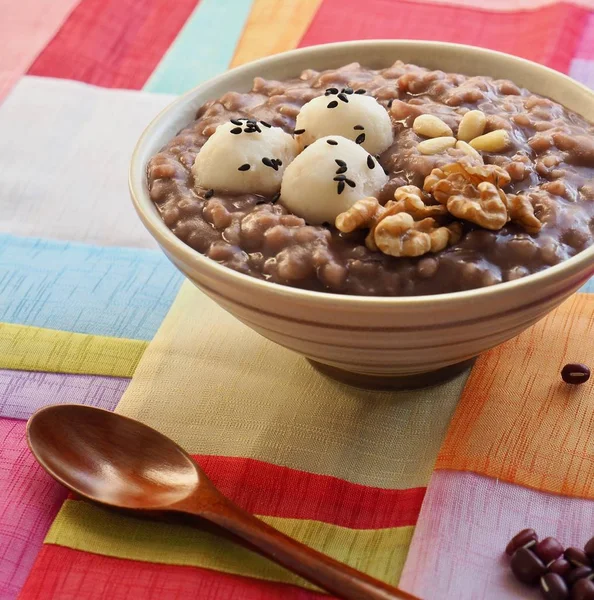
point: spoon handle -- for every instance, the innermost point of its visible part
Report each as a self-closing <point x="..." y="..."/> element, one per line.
<point x="325" y="572"/>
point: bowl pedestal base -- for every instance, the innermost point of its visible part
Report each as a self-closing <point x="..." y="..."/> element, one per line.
<point x="392" y="382"/>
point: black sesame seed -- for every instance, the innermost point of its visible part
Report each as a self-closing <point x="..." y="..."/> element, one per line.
<point x="360" y="139"/>
<point x="332" y="142"/>
<point x="370" y="162"/>
<point x="350" y="183"/>
<point x="279" y="162"/>
<point x="340" y="187"/>
<point x="245" y="167"/>
<point x="339" y="162"/>
<point x="275" y="197"/>
<point x="331" y="91"/>
<point x="343" y="97"/>
<point x="339" y="178"/>
<point x="333" y="104"/>
<point x="390" y="102"/>
<point x="358" y="128"/>
<point x="348" y="90"/>
<point x="265" y="124"/>
<point x="236" y="130"/>
<point x="341" y="170"/>
<point x="209" y="194"/>
<point x="236" y="121"/>
<point x="361" y="92"/>
<point x="271" y="162"/>
<point x="299" y="131"/>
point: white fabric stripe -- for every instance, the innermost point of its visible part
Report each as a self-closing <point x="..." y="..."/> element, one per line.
<point x="64" y="151"/>
<point x="582" y="70"/>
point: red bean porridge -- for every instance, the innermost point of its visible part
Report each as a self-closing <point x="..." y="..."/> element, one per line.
<point x="550" y="161"/>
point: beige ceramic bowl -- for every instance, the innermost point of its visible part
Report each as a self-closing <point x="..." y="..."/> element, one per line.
<point x="370" y="336"/>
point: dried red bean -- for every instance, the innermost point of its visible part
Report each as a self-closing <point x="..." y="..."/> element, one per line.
<point x="577" y="557"/>
<point x="577" y="574"/>
<point x="560" y="566"/>
<point x="526" y="538"/>
<point x="589" y="547"/>
<point x="526" y="566"/>
<point x="583" y="590"/>
<point x="548" y="549"/>
<point x="553" y="587"/>
<point x="575" y="373"/>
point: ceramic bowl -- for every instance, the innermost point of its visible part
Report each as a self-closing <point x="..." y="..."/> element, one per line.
<point x="370" y="339"/>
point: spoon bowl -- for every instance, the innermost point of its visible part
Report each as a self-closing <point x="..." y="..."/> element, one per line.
<point x="121" y="463"/>
<point x="111" y="459"/>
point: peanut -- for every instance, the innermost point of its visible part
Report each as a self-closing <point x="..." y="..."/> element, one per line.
<point x="431" y="126"/>
<point x="494" y="141"/>
<point x="472" y="125"/>
<point x="436" y="145"/>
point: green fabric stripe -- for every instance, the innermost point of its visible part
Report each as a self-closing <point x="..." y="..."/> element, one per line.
<point x="80" y="526"/>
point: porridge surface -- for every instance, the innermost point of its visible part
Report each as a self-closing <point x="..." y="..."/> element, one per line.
<point x="550" y="160"/>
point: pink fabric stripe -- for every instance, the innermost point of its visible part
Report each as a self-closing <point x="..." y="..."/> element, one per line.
<point x="464" y="526"/>
<point x="26" y="27"/>
<point x="549" y="35"/>
<point x="29" y="501"/>
<point x="23" y="392"/>
<point x="510" y="5"/>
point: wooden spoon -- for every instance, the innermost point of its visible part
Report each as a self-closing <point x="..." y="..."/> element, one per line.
<point x="121" y="463"/>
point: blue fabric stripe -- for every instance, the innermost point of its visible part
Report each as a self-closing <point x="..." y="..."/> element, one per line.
<point x="120" y="292"/>
<point x="588" y="287"/>
<point x="203" y="48"/>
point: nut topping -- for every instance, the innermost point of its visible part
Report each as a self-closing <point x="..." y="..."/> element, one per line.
<point x="494" y="141"/>
<point x="487" y="210"/>
<point x="431" y="126"/>
<point x="472" y="125"/>
<point x="401" y="235"/>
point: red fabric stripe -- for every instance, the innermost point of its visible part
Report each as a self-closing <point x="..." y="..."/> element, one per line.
<point x="549" y="35"/>
<point x="266" y="489"/>
<point x="67" y="574"/>
<point x="113" y="43"/>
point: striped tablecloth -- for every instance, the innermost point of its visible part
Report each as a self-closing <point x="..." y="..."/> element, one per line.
<point x="422" y="488"/>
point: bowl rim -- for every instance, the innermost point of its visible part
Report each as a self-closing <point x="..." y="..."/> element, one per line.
<point x="171" y="244"/>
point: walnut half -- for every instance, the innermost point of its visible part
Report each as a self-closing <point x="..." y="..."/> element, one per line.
<point x="521" y="211"/>
<point x="486" y="208"/>
<point x="411" y="199"/>
<point x="400" y="235"/>
<point x="403" y="227"/>
<point x="472" y="191"/>
<point x="360" y="216"/>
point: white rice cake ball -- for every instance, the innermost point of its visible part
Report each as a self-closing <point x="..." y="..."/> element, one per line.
<point x="354" y="116"/>
<point x="244" y="157"/>
<point x="328" y="177"/>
